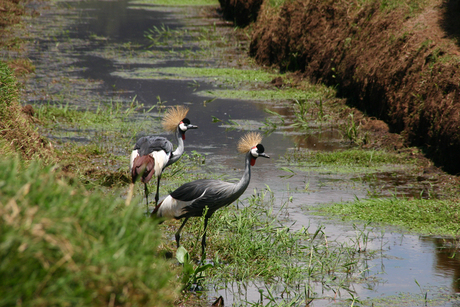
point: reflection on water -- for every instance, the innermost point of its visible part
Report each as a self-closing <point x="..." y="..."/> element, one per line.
<point x="447" y="258"/>
<point x="105" y="25"/>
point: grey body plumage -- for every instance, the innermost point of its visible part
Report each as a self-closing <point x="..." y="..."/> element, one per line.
<point x="191" y="199"/>
<point x="148" y="144"/>
<point x="152" y="154"/>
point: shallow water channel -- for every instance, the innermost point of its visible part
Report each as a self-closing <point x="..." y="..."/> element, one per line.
<point x="94" y="44"/>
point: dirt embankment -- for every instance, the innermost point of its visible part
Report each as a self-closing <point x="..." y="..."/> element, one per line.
<point x="400" y="66"/>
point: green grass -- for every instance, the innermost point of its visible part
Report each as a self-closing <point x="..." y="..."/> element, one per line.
<point x="8" y="87"/>
<point x="221" y="75"/>
<point x="17" y="134"/>
<point x="105" y="114"/>
<point x="61" y="245"/>
<point x="352" y="160"/>
<point x="264" y="94"/>
<point x="111" y="126"/>
<point x="249" y="84"/>
<point x="440" y="217"/>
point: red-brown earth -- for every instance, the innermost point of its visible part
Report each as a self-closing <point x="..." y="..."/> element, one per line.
<point x="400" y="65"/>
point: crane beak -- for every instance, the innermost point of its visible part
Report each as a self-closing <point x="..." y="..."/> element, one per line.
<point x="264" y="155"/>
<point x="192" y="127"/>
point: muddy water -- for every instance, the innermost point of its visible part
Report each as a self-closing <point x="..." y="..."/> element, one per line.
<point x="83" y="34"/>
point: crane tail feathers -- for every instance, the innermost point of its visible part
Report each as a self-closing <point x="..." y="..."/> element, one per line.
<point x="143" y="166"/>
<point x="149" y="165"/>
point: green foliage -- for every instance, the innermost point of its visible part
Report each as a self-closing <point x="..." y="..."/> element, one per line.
<point x="302" y="112"/>
<point x="425" y="216"/>
<point x="109" y="125"/>
<point x="164" y="36"/>
<point x="277" y="3"/>
<point x="270" y="124"/>
<point x="227" y="76"/>
<point x="349" y="160"/>
<point x="192" y="275"/>
<point x="351" y="131"/>
<point x="61" y="245"/>
<point x="412" y="6"/>
<point x="104" y="114"/>
<point x="8" y="87"/>
<point x="17" y="134"/>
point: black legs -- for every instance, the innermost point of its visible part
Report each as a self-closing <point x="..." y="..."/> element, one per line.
<point x="178" y="231"/>
<point x="157" y="195"/>
<point x="146" y="191"/>
<point x="203" y="240"/>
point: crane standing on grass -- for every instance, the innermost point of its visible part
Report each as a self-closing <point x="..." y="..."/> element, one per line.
<point x="192" y="198"/>
<point x="152" y="154"/>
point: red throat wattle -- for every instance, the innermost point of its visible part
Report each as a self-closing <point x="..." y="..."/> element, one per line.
<point x="253" y="161"/>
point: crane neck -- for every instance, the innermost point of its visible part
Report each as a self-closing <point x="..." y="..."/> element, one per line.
<point x="242" y="185"/>
<point x="176" y="154"/>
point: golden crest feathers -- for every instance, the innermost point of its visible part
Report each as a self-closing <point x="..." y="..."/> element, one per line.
<point x="173" y="117"/>
<point x="248" y="141"/>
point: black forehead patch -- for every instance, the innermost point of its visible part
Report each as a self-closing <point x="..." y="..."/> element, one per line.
<point x="186" y="121"/>
<point x="260" y="148"/>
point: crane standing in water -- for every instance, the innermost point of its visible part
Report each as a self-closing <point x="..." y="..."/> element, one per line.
<point x="192" y="198"/>
<point x="152" y="154"/>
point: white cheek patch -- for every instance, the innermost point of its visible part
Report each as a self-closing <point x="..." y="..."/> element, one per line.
<point x="182" y="126"/>
<point x="254" y="152"/>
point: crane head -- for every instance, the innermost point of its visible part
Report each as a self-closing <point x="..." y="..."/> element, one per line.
<point x="257" y="151"/>
<point x="184" y="125"/>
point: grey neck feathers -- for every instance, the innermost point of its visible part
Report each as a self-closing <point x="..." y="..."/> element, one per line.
<point x="242" y="185"/>
<point x="180" y="148"/>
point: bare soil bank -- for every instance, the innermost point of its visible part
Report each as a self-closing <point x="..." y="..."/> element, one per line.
<point x="401" y="67"/>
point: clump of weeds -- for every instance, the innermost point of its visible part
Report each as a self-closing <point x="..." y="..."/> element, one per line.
<point x="351" y="131"/>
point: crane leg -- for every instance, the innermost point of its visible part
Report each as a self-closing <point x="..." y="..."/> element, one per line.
<point x="179" y="230"/>
<point x="146" y="191"/>
<point x="203" y="240"/>
<point x="157" y="195"/>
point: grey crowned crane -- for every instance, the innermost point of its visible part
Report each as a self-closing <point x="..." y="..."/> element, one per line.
<point x="152" y="154"/>
<point x="190" y="199"/>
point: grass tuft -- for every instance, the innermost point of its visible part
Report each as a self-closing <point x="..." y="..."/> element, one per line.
<point x="16" y="129"/>
<point x="352" y="160"/>
<point x="418" y="215"/>
<point x="61" y="245"/>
